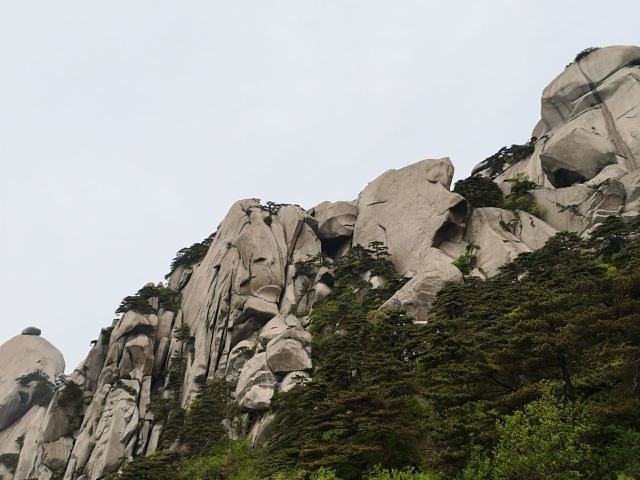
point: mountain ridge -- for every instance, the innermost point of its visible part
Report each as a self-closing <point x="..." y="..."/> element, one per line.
<point x="237" y="305"/>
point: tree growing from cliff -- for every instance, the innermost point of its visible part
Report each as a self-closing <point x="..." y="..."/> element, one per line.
<point x="479" y="191"/>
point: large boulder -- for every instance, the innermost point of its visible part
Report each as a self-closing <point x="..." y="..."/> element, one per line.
<point x="287" y="352"/>
<point x="499" y="236"/>
<point x="276" y="326"/>
<point x="419" y="293"/>
<point x="335" y="219"/>
<point x="21" y="356"/>
<point x="410" y="210"/>
<point x="256" y="384"/>
<point x="589" y="122"/>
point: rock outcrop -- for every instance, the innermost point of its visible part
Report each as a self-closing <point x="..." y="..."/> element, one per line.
<point x="29" y="368"/>
<point x="244" y="306"/>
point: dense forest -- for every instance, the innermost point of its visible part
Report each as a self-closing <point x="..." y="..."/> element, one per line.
<point x="531" y="374"/>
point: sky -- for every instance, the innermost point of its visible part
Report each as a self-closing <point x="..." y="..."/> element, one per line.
<point x="127" y="129"/>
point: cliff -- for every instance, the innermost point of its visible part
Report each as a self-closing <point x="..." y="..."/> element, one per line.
<point x="237" y="305"/>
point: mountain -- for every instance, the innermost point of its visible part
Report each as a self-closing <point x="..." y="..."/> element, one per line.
<point x="247" y="304"/>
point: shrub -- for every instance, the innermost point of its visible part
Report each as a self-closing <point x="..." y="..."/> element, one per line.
<point x="543" y="441"/>
<point x="71" y="398"/>
<point x="324" y="473"/>
<point x="508" y="156"/>
<point x="479" y="191"/>
<point x="272" y="208"/>
<point x="190" y="255"/>
<point x="228" y="460"/>
<point x="158" y="466"/>
<point x="467" y="261"/>
<point x="520" y="197"/>
<point x="379" y="473"/>
<point x="168" y="299"/>
<point x="202" y="426"/>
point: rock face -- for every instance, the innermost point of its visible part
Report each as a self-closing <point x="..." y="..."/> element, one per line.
<point x="244" y="308"/>
<point x="29" y="368"/>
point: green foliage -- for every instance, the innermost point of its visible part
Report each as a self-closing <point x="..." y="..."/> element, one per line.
<point x="168" y="299"/>
<point x="190" y="255"/>
<point x="272" y="208"/>
<point x="479" y="191"/>
<point x="379" y="473"/>
<point x="610" y="237"/>
<point x="167" y="408"/>
<point x="43" y="389"/>
<point x="360" y="409"/>
<point x="467" y="261"/>
<point x="123" y="386"/>
<point x="545" y="440"/>
<point x="324" y="473"/>
<point x="158" y="466"/>
<point x="508" y="156"/>
<point x="551" y="315"/>
<point x="229" y="460"/>
<point x="202" y="426"/>
<point x="70" y="397"/>
<point x="309" y="267"/>
<point x="520" y="197"/>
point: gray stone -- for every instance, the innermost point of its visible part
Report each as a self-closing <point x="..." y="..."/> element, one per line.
<point x="292" y="379"/>
<point x="133" y="320"/>
<point x="256" y="384"/>
<point x="335" y="219"/>
<point x="577" y="154"/>
<point x="240" y="354"/>
<point x="419" y="293"/>
<point x="410" y="210"/>
<point x="502" y="235"/>
<point x="32" y="331"/>
<point x="287" y="355"/>
<point x="19" y="356"/>
<point x="276" y="326"/>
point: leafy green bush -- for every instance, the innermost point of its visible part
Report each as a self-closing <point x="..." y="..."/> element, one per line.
<point x="553" y="314"/>
<point x="71" y="398"/>
<point x="229" y="460"/>
<point x="545" y="440"/>
<point x="508" y="156"/>
<point x="158" y="466"/>
<point x="479" y="191"/>
<point x="467" y="261"/>
<point x="360" y="408"/>
<point x="520" y="197"/>
<point x="324" y="473"/>
<point x="379" y="473"/>
<point x="168" y="299"/>
<point x="202" y="426"/>
<point x="190" y="255"/>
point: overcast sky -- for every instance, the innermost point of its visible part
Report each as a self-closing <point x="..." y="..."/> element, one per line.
<point x="127" y="128"/>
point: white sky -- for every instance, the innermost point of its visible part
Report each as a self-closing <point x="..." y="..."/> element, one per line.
<point x="127" y="128"/>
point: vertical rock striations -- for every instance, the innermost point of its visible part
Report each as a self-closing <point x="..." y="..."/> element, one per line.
<point x="236" y="305"/>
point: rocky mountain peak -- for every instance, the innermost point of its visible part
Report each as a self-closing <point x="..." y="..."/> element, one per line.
<point x="237" y="305"/>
